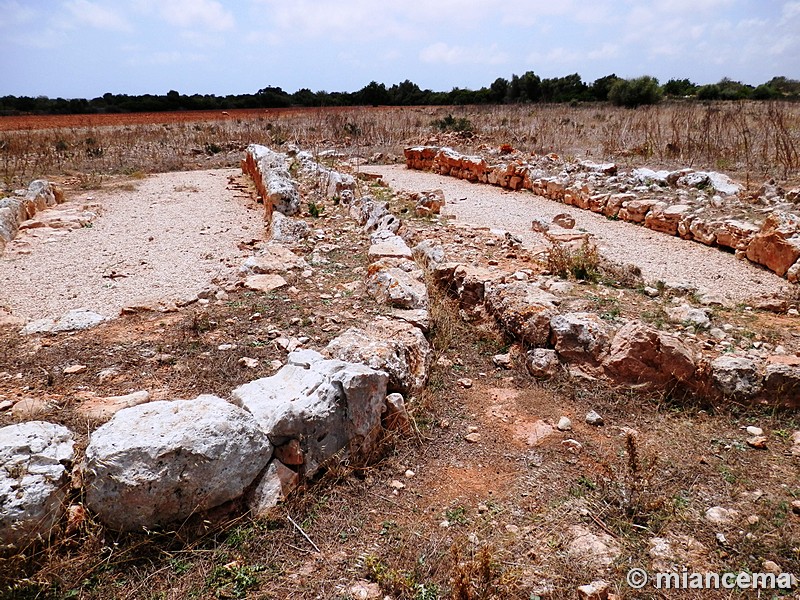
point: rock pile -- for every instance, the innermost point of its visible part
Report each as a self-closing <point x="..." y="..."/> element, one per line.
<point x="705" y="207"/>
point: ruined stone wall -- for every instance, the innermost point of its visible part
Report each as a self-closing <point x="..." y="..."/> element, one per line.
<point x="703" y="207"/>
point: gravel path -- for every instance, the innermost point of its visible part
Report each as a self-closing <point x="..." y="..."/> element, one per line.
<point x="169" y="238"/>
<point x="659" y="256"/>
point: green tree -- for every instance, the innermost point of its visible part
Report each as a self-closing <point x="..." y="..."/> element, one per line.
<point x="635" y="92"/>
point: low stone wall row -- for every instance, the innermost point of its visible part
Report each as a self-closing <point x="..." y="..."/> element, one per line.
<point x="629" y="354"/>
<point x="24" y="205"/>
<point x="769" y="237"/>
<point x="269" y="171"/>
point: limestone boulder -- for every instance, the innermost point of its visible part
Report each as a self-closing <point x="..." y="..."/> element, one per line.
<point x="643" y="356"/>
<point x="397" y="283"/>
<point x="327" y="405"/>
<point x="580" y="337"/>
<point x="273" y="258"/>
<point x="543" y="363"/>
<point x="34" y="460"/>
<point x="161" y="462"/>
<point x="288" y="230"/>
<point x="273" y="485"/>
<point x="736" y="377"/>
<point x="389" y="246"/>
<point x="396" y="347"/>
<point x="523" y="309"/>
<point x="782" y="383"/>
<point x="73" y="320"/>
<point x="777" y="244"/>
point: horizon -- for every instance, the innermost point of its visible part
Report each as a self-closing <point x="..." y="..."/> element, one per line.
<point x="82" y="49"/>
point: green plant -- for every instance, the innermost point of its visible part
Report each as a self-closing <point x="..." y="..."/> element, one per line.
<point x="457" y="514"/>
<point x="451" y="123"/>
<point x="315" y="210"/>
<point x="582" y="264"/>
<point x="233" y="580"/>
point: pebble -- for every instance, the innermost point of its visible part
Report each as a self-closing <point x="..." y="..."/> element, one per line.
<point x="74" y="369"/>
<point x="250" y="363"/>
<point x="593" y="418"/>
<point x="796" y="507"/>
<point x="759" y="442"/>
<point x="466" y="382"/>
<point x="473" y="438"/>
<point x="396" y="484"/>
<point x="224" y="347"/>
<point x="754" y="430"/>
<point x="564" y="424"/>
<point x="502" y="360"/>
<point x="275" y="364"/>
<point x="409" y="474"/>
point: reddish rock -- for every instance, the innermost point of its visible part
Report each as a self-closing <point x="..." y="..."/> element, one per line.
<point x="641" y="355"/>
<point x="777" y="244"/>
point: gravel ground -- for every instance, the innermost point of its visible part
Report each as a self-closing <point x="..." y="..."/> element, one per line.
<point x="169" y="238"/>
<point x="659" y="256"/>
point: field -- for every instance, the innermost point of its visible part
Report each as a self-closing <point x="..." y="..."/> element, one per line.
<point x="440" y="514"/>
<point x="753" y="142"/>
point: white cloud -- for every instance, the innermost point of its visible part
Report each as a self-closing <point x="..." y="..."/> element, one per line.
<point x="95" y="15"/>
<point x="189" y="14"/>
<point x="459" y="55"/>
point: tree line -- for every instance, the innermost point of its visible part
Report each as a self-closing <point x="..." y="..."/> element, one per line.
<point x="526" y="88"/>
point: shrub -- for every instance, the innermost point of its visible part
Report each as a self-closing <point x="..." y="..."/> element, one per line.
<point x="451" y="123"/>
<point x="582" y="264"/>
<point x="635" y="92"/>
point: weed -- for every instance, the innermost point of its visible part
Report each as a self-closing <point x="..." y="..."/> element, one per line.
<point x="456" y="515"/>
<point x="582" y="264"/>
<point x="315" y="210"/>
<point x="451" y="123"/>
<point x="233" y="580"/>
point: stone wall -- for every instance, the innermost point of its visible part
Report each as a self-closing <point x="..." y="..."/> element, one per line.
<point x="704" y="207"/>
<point x="24" y="205"/>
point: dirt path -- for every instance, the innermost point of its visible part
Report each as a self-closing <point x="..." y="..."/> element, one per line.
<point x="165" y="240"/>
<point x="659" y="256"/>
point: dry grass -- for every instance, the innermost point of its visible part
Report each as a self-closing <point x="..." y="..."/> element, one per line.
<point x="754" y="141"/>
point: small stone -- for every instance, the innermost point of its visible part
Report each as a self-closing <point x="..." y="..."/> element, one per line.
<point x="472" y="429"/>
<point x="74" y="369"/>
<point x="473" y="438"/>
<point x="444" y="524"/>
<point x="771" y="567"/>
<point x="397" y="485"/>
<point x="597" y="590"/>
<point x="759" y="442"/>
<point x="796" y="507"/>
<point x="466" y="382"/>
<point x="753" y="520"/>
<point x="512" y="529"/>
<point x="651" y="292"/>
<point x="409" y="474"/>
<point x="482" y="508"/>
<point x="224" y="347"/>
<point x="250" y="363"/>
<point x="719" y="515"/>
<point x="564" y="424"/>
<point x="502" y="360"/>
<point x="365" y="590"/>
<point x="275" y="364"/>
<point x="593" y="418"/>
<point x="573" y="446"/>
<point x="5" y="405"/>
<point x="754" y="430"/>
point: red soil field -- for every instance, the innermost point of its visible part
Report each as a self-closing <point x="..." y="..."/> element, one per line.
<point x="30" y="122"/>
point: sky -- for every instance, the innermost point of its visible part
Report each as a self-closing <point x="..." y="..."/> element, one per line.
<point x="85" y="48"/>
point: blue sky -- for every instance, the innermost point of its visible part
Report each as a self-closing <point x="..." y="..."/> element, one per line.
<point x="84" y="48"/>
